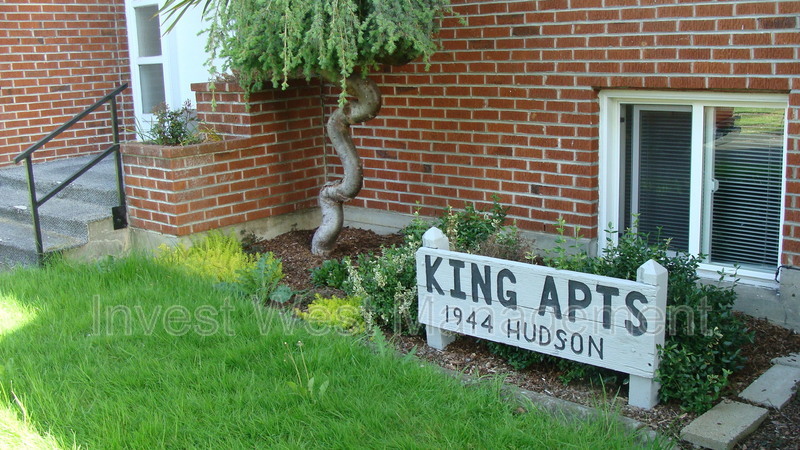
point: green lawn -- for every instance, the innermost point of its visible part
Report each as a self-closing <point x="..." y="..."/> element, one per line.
<point x="133" y="354"/>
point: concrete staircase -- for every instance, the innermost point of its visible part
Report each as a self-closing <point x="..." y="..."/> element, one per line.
<point x="66" y="219"/>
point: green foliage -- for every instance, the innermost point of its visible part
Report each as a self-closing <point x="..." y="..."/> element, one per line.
<point x="283" y="293"/>
<point x="517" y="357"/>
<point x="387" y="282"/>
<point x="469" y="228"/>
<point x="331" y="272"/>
<point x="271" y="42"/>
<point x="216" y="256"/>
<point x="703" y="336"/>
<point x="261" y="282"/>
<point x="520" y="359"/>
<point x="175" y="127"/>
<point x="693" y="374"/>
<point x="567" y="253"/>
<point x="340" y="314"/>
<point x="506" y="243"/>
<point x="304" y="384"/>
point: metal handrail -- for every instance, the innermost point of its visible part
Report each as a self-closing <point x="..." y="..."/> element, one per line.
<point x="118" y="212"/>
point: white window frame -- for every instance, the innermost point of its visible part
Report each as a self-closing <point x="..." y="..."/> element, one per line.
<point x="610" y="154"/>
<point x="143" y="117"/>
<point x="182" y="58"/>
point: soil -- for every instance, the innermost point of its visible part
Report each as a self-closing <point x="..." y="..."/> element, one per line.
<point x="780" y="430"/>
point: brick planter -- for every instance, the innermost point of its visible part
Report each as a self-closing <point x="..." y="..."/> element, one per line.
<point x="268" y="165"/>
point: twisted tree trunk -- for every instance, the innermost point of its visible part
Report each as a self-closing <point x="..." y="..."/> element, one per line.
<point x="335" y="193"/>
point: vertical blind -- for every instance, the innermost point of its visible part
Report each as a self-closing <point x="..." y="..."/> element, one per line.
<point x="748" y="166"/>
<point x="747" y="173"/>
<point x="664" y="154"/>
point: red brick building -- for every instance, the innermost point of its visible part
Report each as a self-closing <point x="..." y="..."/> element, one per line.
<point x="57" y="58"/>
<point x="681" y="112"/>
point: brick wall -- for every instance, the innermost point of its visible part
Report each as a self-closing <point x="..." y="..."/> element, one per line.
<point x="510" y="106"/>
<point x="269" y="163"/>
<point x="57" y="58"/>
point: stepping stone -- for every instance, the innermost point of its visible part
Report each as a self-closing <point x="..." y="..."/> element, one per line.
<point x="774" y="388"/>
<point x="792" y="360"/>
<point x="724" y="425"/>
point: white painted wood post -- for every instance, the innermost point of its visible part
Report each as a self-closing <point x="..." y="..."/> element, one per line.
<point x="642" y="391"/>
<point x="437" y="338"/>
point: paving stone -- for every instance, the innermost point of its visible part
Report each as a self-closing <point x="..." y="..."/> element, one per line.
<point x="792" y="360"/>
<point x="774" y="388"/>
<point x="724" y="425"/>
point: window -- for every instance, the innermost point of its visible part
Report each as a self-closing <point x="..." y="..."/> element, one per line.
<point x="149" y="58"/>
<point x="702" y="169"/>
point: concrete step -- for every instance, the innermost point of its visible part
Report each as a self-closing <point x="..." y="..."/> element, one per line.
<point x="97" y="185"/>
<point x="791" y="360"/>
<point x="724" y="425"/>
<point x="774" y="388"/>
<point x="58" y="215"/>
<point x="18" y="247"/>
<point x="65" y="219"/>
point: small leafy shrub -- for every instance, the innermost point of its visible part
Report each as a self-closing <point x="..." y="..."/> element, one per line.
<point x="217" y="256"/>
<point x="331" y="273"/>
<point x="505" y="243"/>
<point x="469" y="228"/>
<point x="516" y="357"/>
<point x="176" y="127"/>
<point x="340" y="314"/>
<point x="567" y="254"/>
<point x="387" y="283"/>
<point x="703" y="336"/>
<point x="261" y="282"/>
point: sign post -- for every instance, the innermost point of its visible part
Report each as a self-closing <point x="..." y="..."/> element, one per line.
<point x="607" y="322"/>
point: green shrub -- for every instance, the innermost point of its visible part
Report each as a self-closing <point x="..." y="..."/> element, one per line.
<point x="340" y="314"/>
<point x="388" y="282"/>
<point x="261" y="282"/>
<point x="505" y="243"/>
<point x="216" y="256"/>
<point x="388" y="285"/>
<point x="703" y="336"/>
<point x="469" y="228"/>
<point x="175" y="127"/>
<point x="331" y="273"/>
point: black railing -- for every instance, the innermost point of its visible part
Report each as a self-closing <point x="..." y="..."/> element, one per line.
<point x="119" y="214"/>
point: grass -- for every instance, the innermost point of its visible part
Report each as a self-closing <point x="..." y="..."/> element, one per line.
<point x="132" y="354"/>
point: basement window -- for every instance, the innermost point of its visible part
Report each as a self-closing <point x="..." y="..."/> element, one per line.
<point x="703" y="170"/>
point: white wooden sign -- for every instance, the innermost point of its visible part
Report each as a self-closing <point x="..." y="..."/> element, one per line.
<point x="602" y="321"/>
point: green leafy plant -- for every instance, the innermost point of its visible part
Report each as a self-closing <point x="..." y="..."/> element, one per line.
<point x="276" y="41"/>
<point x="469" y="228"/>
<point x="387" y="282"/>
<point x="175" y="127"/>
<point x="261" y="282"/>
<point x="703" y="336"/>
<point x="216" y="256"/>
<point x="283" y="294"/>
<point x="568" y="253"/>
<point x="506" y="243"/>
<point x="305" y="384"/>
<point x="331" y="273"/>
<point x="340" y="314"/>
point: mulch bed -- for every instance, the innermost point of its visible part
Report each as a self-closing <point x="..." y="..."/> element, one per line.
<point x="780" y="430"/>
